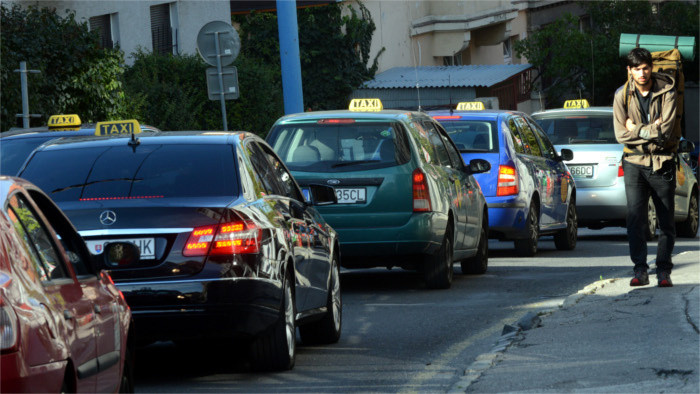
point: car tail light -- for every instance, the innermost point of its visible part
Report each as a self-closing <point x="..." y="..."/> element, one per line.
<point x="9" y="331"/>
<point x="507" y="181"/>
<point x="239" y="237"/>
<point x="335" y="121"/>
<point x="620" y="171"/>
<point x="421" y="197"/>
<point x="444" y="117"/>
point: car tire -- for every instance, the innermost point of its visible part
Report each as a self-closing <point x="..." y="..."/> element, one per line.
<point x="652" y="223"/>
<point x="275" y="350"/>
<point x="439" y="268"/>
<point x="478" y="264"/>
<point x="528" y="247"/>
<point x="689" y="227"/>
<point x="328" y="329"/>
<point x="126" y="385"/>
<point x="566" y="239"/>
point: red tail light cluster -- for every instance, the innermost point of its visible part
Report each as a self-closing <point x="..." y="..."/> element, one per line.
<point x="239" y="237"/>
<point x="620" y="171"/>
<point x="421" y="196"/>
<point x="507" y="181"/>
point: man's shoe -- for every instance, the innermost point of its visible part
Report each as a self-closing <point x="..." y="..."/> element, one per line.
<point x="641" y="278"/>
<point x="664" y="278"/>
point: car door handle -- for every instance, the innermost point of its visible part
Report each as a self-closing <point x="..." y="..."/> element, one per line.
<point x="68" y="315"/>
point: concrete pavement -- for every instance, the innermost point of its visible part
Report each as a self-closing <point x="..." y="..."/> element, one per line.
<point x="608" y="338"/>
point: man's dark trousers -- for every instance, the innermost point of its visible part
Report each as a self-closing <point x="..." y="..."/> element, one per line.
<point x="640" y="183"/>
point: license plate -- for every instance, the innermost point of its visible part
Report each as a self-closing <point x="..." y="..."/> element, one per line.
<point x="351" y="195"/>
<point x="146" y="246"/>
<point x="581" y="171"/>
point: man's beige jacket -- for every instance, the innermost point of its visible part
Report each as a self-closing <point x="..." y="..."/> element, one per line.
<point x="662" y="106"/>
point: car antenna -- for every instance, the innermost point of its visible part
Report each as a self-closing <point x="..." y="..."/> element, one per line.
<point x="449" y="90"/>
<point x="133" y="141"/>
<point x="415" y="67"/>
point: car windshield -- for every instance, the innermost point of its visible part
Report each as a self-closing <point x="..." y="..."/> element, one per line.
<point x="121" y="172"/>
<point x="578" y="129"/>
<point x="473" y="135"/>
<point x="14" y="151"/>
<point x="327" y="146"/>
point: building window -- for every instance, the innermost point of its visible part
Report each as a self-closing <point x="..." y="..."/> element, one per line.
<point x="454" y="60"/>
<point x="508" y="51"/>
<point x="102" y="24"/>
<point x="164" y="28"/>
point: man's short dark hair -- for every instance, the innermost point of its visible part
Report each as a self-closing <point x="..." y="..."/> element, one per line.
<point x="638" y="56"/>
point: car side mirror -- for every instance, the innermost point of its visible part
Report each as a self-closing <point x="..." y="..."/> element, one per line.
<point x="322" y="195"/>
<point x="477" y="166"/>
<point x="566" y="154"/>
<point x="686" y="146"/>
<point x="118" y="254"/>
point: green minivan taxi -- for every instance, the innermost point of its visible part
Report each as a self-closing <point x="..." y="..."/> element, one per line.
<point x="405" y="197"/>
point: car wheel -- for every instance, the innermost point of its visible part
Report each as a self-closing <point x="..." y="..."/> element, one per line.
<point x="126" y="385"/>
<point x="478" y="264"/>
<point x="439" y="268"/>
<point x="689" y="227"/>
<point x="566" y="239"/>
<point x="528" y="247"/>
<point x="651" y="220"/>
<point x="275" y="350"/>
<point x="327" y="330"/>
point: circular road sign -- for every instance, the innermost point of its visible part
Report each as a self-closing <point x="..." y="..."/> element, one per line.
<point x="229" y="43"/>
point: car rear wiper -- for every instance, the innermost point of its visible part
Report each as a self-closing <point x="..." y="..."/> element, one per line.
<point x="352" y="163"/>
<point x="94" y="182"/>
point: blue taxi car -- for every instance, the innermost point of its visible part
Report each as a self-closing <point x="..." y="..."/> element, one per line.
<point x="529" y="191"/>
<point x="16" y="145"/>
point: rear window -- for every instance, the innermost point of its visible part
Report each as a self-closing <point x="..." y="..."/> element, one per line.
<point x="14" y="151"/>
<point x="151" y="171"/>
<point x="331" y="147"/>
<point x="579" y="129"/>
<point x="473" y="135"/>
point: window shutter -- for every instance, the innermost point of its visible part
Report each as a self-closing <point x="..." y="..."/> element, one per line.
<point x="161" y="32"/>
<point x="101" y="24"/>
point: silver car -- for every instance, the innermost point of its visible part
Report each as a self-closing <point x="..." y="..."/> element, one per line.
<point x="597" y="170"/>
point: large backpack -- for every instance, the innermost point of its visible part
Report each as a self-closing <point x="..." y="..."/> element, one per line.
<point x="668" y="62"/>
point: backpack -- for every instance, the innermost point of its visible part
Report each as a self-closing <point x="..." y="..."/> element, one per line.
<point x="668" y="62"/>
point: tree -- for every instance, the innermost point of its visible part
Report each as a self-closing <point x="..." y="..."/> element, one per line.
<point x="76" y="75"/>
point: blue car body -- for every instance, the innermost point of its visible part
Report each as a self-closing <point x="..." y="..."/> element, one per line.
<point x="526" y="173"/>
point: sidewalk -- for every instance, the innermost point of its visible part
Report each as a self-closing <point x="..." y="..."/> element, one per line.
<point x="609" y="338"/>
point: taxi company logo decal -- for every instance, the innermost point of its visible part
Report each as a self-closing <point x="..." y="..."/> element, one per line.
<point x="108" y="218"/>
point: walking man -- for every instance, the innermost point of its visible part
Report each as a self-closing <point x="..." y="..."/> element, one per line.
<point x="644" y="113"/>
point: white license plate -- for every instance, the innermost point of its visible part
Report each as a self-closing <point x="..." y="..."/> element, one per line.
<point x="351" y="195"/>
<point x="146" y="246"/>
<point x="581" y="171"/>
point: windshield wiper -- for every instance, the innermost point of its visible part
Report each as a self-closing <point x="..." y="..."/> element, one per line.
<point x="93" y="182"/>
<point x="352" y="163"/>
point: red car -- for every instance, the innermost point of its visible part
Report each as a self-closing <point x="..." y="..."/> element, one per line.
<point x="63" y="324"/>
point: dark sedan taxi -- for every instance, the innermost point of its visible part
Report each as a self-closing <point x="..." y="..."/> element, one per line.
<point x="228" y="245"/>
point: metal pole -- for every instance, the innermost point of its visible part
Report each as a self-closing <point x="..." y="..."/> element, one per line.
<point x="221" y="80"/>
<point x="289" y="53"/>
<point x="25" y="94"/>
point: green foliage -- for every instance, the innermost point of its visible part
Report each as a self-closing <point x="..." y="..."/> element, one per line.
<point x="569" y="60"/>
<point x="77" y="76"/>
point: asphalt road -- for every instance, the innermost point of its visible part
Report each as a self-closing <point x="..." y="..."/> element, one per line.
<point x="399" y="336"/>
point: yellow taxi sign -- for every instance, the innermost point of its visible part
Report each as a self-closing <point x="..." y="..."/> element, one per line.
<point x="583" y="103"/>
<point x="366" y="105"/>
<point x="117" y="127"/>
<point x="470" y="106"/>
<point x="64" y="122"/>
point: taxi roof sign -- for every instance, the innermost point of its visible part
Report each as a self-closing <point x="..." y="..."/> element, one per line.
<point x="366" y="105"/>
<point x="583" y="103"/>
<point x="118" y="127"/>
<point x="64" y="122"/>
<point x="470" y="106"/>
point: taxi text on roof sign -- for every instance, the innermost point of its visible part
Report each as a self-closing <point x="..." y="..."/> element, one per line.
<point x="366" y="104"/>
<point x="583" y="103"/>
<point x="64" y="122"/>
<point x="470" y="106"/>
<point x="117" y="127"/>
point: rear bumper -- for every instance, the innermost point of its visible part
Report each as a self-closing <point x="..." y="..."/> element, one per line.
<point x="422" y="234"/>
<point x="507" y="217"/>
<point x="17" y="377"/>
<point x="226" y="307"/>
<point x="601" y="204"/>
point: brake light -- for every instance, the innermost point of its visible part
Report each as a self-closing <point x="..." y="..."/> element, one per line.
<point x="507" y="181"/>
<point x="335" y="121"/>
<point x="9" y="331"/>
<point x="620" y="171"/>
<point x="441" y="117"/>
<point x="421" y="196"/>
<point x="240" y="237"/>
